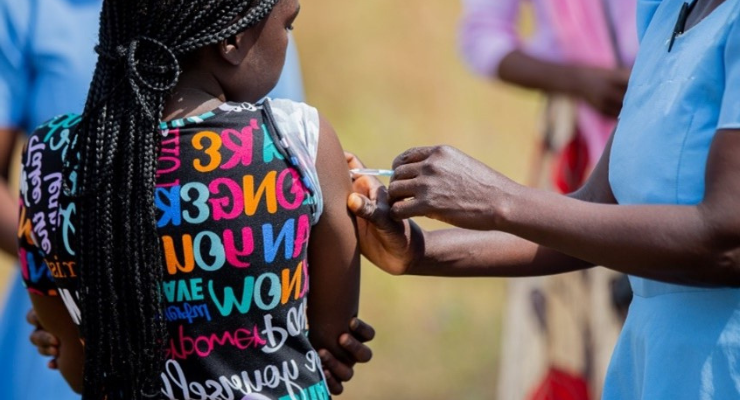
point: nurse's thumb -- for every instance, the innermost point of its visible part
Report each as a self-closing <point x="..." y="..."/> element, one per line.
<point x="362" y="207"/>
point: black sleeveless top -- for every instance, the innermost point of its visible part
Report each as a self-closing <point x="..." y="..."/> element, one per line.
<point x="234" y="217"/>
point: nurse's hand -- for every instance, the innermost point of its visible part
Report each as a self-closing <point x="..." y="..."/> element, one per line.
<point x="446" y="184"/>
<point x="391" y="245"/>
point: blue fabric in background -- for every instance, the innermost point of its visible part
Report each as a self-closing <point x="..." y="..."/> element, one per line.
<point x="46" y="65"/>
<point x="23" y="372"/>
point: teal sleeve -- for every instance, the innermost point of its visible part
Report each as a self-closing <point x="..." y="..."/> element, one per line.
<point x="729" y="116"/>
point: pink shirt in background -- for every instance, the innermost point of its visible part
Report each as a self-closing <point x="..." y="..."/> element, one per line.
<point x="568" y="31"/>
<point x="489" y="31"/>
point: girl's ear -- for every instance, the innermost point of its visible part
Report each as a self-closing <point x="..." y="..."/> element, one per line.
<point x="235" y="48"/>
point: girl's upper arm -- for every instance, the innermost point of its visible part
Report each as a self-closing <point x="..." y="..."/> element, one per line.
<point x="333" y="253"/>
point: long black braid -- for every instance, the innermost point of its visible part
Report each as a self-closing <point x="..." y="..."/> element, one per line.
<point x="113" y="177"/>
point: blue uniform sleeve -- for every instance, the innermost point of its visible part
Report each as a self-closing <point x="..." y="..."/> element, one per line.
<point x="15" y="73"/>
<point x="645" y="12"/>
<point x="729" y="116"/>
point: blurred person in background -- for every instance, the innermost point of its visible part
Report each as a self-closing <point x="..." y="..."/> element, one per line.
<point x="580" y="57"/>
<point x="43" y="73"/>
<point x="46" y="65"/>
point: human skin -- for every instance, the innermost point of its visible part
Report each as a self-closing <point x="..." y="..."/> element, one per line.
<point x="602" y="88"/>
<point x="336" y="372"/>
<point x="8" y="205"/>
<point x="245" y="68"/>
<point x="510" y="230"/>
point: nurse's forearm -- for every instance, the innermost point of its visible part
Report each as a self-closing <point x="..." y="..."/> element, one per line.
<point x="664" y="242"/>
<point x="695" y="245"/>
<point x="467" y="253"/>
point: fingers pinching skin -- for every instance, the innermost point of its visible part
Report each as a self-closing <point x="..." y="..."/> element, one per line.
<point x="376" y="211"/>
<point x="361" y="206"/>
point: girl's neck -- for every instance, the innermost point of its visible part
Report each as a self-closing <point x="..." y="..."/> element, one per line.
<point x="194" y="95"/>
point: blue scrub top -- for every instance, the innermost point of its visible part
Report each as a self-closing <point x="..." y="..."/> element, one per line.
<point x="679" y="342"/>
<point x="46" y="58"/>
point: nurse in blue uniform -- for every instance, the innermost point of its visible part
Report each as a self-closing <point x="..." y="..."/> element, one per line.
<point x="679" y="342"/>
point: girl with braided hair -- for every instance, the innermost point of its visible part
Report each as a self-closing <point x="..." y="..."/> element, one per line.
<point x="173" y="217"/>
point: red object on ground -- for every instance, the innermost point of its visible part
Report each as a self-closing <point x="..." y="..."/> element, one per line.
<point x="560" y="385"/>
<point x="571" y="165"/>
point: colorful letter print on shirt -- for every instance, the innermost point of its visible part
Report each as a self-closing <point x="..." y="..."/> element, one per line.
<point x="234" y="215"/>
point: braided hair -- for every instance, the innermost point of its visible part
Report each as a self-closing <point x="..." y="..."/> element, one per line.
<point x="112" y="171"/>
